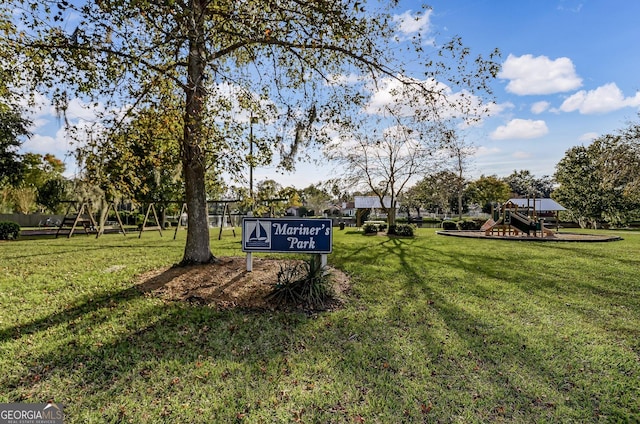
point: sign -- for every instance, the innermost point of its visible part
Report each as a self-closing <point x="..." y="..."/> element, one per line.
<point x="287" y="235"/>
<point x="31" y="413"/>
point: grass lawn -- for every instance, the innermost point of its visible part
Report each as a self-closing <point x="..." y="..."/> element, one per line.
<point x="437" y="329"/>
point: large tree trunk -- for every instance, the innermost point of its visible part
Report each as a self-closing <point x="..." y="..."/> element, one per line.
<point x="197" y="249"/>
<point x="391" y="213"/>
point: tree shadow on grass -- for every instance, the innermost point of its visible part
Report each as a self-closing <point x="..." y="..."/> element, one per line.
<point x="523" y="366"/>
<point x="118" y="342"/>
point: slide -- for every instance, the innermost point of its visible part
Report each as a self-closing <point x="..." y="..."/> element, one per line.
<point x="488" y="225"/>
<point x="548" y="232"/>
<point x="523" y="223"/>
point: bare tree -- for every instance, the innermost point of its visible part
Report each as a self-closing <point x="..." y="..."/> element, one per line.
<point x="385" y="163"/>
<point x="460" y="152"/>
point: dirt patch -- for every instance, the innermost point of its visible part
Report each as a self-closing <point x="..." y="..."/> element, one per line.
<point x="227" y="284"/>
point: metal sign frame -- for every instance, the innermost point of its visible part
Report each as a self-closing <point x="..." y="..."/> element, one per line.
<point x="286" y="235"/>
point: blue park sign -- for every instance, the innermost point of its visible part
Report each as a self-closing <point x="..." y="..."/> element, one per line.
<point x="287" y="235"/>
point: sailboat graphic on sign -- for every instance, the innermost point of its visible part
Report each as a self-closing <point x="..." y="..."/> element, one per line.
<point x="259" y="235"/>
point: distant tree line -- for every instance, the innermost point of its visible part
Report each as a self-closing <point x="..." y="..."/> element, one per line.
<point x="599" y="183"/>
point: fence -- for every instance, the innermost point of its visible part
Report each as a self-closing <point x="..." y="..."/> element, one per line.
<point x="32" y="220"/>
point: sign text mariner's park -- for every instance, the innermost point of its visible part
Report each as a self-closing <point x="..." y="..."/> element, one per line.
<point x="284" y="235"/>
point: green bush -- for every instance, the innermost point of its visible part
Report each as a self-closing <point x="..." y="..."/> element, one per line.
<point x="9" y="230"/>
<point x="449" y="225"/>
<point x="307" y="284"/>
<point x="468" y="225"/>
<point x="401" y="230"/>
<point x="370" y="228"/>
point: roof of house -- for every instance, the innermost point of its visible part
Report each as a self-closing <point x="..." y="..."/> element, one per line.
<point x="542" y="205"/>
<point x="368" y="202"/>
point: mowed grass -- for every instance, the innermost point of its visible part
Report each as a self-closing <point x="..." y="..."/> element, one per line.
<point x="436" y="329"/>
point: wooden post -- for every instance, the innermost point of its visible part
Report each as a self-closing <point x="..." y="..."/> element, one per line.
<point x="151" y="208"/>
<point x="226" y="212"/>
<point x="182" y="211"/>
<point x="103" y="219"/>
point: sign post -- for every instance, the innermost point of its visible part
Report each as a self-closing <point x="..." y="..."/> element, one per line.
<point x="286" y="235"/>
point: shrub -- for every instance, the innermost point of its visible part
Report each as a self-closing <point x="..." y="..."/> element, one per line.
<point x="9" y="230"/>
<point x="307" y="284"/>
<point x="139" y="219"/>
<point x="468" y="225"/>
<point x="449" y="225"/>
<point x="401" y="230"/>
<point x="370" y="228"/>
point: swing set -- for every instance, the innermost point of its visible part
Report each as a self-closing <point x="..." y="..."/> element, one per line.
<point x="226" y="213"/>
<point x="79" y="215"/>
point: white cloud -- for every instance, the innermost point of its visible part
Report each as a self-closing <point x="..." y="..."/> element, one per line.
<point x="606" y="98"/>
<point x="520" y="129"/>
<point x="404" y="99"/>
<point x="345" y="79"/>
<point x="413" y="24"/>
<point x="494" y="109"/>
<point x="59" y="145"/>
<point x="522" y="155"/>
<point x="570" y="6"/>
<point x="486" y="151"/>
<point x="539" y="75"/>
<point x="539" y="107"/>
<point x="588" y="137"/>
<point x="77" y="109"/>
<point x="41" y="144"/>
<point x="37" y="109"/>
<point x="36" y="124"/>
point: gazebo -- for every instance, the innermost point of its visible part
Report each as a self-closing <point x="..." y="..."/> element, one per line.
<point x="363" y="203"/>
<point x="540" y="207"/>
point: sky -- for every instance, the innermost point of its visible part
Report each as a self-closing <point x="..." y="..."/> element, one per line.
<point x="570" y="73"/>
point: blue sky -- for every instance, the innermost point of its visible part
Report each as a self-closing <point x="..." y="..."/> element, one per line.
<point x="571" y="72"/>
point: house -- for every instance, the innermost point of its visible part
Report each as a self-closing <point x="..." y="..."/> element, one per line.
<point x="349" y="209"/>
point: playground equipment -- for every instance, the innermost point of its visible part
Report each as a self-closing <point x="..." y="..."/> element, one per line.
<point x="515" y="220"/>
<point x="81" y="217"/>
<point x="111" y="207"/>
<point x="226" y="214"/>
<point x="157" y="226"/>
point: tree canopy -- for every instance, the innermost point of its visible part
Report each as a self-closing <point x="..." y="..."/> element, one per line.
<point x="487" y="190"/>
<point x="601" y="182"/>
<point x="524" y="184"/>
<point x="12" y="127"/>
<point x="288" y="63"/>
<point x="436" y="192"/>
